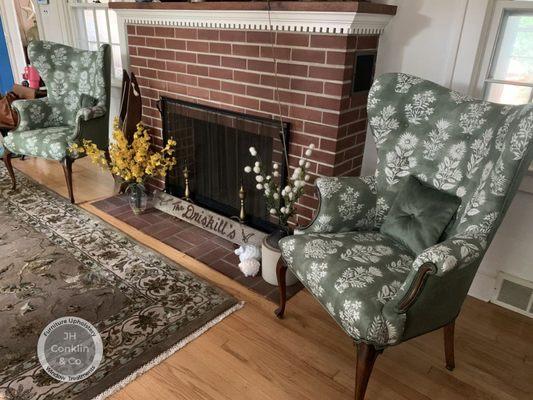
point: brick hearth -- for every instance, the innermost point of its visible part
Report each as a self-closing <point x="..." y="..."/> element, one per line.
<point x="234" y="70"/>
<point x="212" y="250"/>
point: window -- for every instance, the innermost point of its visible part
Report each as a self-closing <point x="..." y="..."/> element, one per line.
<point x="95" y="24"/>
<point x="508" y="65"/>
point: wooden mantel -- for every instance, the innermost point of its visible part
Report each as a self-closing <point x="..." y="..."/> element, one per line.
<point x="321" y="6"/>
<point x="344" y="18"/>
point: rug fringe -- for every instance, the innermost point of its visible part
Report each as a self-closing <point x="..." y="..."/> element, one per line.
<point x="162" y="357"/>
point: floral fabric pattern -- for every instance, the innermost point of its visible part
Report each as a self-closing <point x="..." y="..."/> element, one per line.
<point x="346" y="204"/>
<point x="475" y="150"/>
<point x="466" y="147"/>
<point x="353" y="275"/>
<point x="74" y="78"/>
<point x="51" y="143"/>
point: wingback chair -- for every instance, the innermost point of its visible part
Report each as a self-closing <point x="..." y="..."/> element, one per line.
<point x="378" y="291"/>
<point x="76" y="108"/>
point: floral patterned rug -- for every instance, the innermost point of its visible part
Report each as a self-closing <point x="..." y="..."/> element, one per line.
<point x="57" y="260"/>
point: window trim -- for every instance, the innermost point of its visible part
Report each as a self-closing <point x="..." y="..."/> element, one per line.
<point x="494" y="30"/>
<point x="80" y="32"/>
<point x="15" y="50"/>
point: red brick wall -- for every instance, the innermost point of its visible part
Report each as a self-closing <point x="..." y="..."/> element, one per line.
<point x="233" y="69"/>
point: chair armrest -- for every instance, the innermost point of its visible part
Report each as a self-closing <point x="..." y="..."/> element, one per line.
<point x="33" y="114"/>
<point x="435" y="289"/>
<point x="455" y="252"/>
<point x="88" y="113"/>
<point x="346" y="204"/>
<point x="87" y="124"/>
<point x="92" y="124"/>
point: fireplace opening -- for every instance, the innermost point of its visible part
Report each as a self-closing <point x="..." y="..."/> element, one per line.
<point x="213" y="144"/>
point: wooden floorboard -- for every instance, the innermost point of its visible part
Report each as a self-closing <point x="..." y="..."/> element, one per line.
<point x="253" y="355"/>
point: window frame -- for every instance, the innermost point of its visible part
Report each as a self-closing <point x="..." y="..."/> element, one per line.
<point x="75" y="10"/>
<point x="495" y="28"/>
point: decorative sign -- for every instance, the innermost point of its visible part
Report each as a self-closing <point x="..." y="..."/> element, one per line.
<point x="227" y="228"/>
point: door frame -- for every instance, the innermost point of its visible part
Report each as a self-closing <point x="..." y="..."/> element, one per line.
<point x="13" y="39"/>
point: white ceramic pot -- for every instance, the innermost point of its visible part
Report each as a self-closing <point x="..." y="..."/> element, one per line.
<point x="269" y="262"/>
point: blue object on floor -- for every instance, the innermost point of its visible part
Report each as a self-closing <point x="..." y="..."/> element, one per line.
<point x="6" y="75"/>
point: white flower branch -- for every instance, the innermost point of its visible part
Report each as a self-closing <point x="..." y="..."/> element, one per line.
<point x="281" y="197"/>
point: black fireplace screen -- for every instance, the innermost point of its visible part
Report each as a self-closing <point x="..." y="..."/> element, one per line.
<point x="213" y="145"/>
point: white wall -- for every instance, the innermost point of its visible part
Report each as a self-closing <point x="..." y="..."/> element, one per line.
<point x="512" y="249"/>
<point x="53" y="22"/>
<point x="423" y="39"/>
<point x="442" y="41"/>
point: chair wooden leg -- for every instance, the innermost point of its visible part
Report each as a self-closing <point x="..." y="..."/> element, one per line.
<point x="281" y="272"/>
<point x="449" y="345"/>
<point x="7" y="161"/>
<point x="366" y="356"/>
<point x="67" y="170"/>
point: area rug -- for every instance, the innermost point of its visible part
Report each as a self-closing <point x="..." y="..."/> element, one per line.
<point x="57" y="260"/>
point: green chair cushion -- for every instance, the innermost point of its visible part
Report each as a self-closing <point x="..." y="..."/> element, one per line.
<point x="51" y="143"/>
<point x="353" y="275"/>
<point x="419" y="215"/>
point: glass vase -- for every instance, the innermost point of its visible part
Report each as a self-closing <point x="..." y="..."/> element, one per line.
<point x="137" y="197"/>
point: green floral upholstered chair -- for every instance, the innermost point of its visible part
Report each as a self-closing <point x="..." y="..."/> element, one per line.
<point x="378" y="290"/>
<point x="76" y="108"/>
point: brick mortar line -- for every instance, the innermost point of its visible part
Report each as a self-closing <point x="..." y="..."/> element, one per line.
<point x="325" y="96"/>
<point x="242" y="70"/>
<point x="355" y="135"/>
<point x="315" y="136"/>
<point x="259" y="45"/>
<point x="249" y="83"/>
<point x="232" y="42"/>
<point x="318" y="147"/>
<point x="233" y="69"/>
<point x="292" y="130"/>
<point x="316" y="94"/>
<point x="304" y="63"/>
<point x="260" y="99"/>
<point x="246" y="108"/>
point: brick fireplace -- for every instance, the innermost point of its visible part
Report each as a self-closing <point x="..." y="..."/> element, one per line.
<point x="230" y="66"/>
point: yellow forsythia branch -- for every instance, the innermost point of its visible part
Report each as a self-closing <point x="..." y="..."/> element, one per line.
<point x="133" y="162"/>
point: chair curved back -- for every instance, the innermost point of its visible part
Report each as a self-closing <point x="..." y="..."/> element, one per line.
<point x="473" y="149"/>
<point x="74" y="78"/>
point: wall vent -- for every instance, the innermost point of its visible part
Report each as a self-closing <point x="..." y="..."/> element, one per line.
<point x="514" y="293"/>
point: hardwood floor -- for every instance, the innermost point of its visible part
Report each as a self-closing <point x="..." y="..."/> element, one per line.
<point x="253" y="355"/>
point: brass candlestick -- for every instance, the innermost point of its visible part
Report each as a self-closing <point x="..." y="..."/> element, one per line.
<point x="242" y="196"/>
<point x="187" y="194"/>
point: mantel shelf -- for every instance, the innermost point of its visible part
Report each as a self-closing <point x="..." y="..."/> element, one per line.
<point x="323" y="6"/>
<point x="359" y="18"/>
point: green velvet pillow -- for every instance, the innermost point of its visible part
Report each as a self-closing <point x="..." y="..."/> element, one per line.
<point x="419" y="215"/>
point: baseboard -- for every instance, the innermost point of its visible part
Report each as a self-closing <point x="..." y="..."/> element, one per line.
<point x="483" y="286"/>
